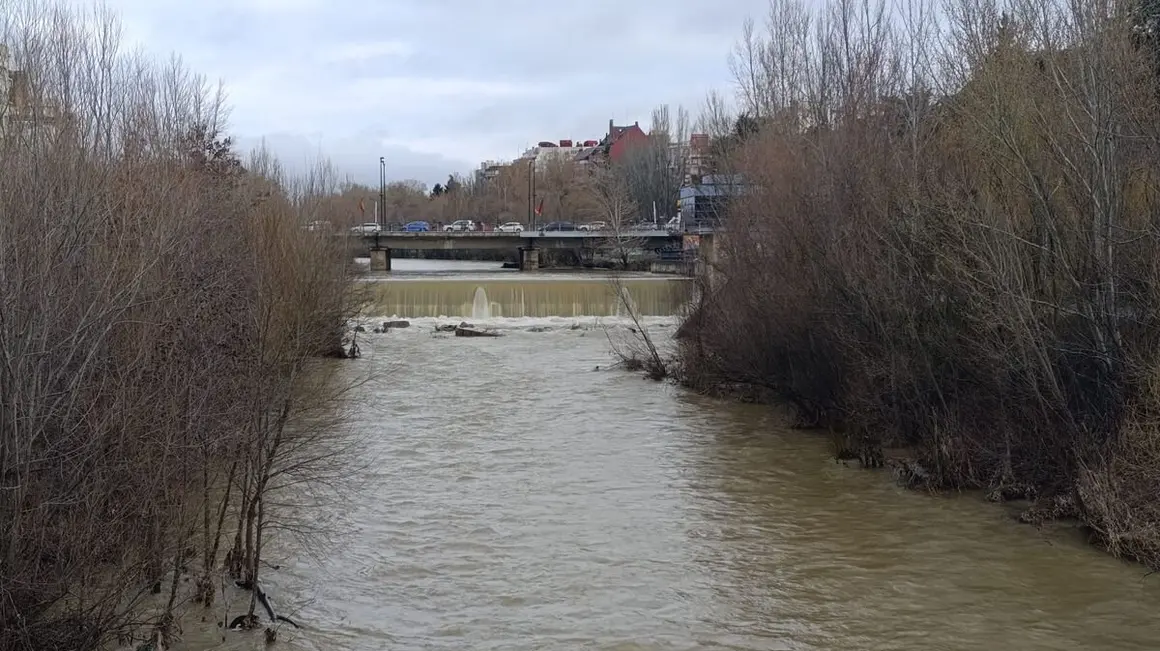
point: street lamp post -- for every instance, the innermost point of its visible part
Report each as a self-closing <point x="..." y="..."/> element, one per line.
<point x="381" y="212"/>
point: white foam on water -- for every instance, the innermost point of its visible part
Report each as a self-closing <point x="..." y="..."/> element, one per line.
<point x="480" y="308"/>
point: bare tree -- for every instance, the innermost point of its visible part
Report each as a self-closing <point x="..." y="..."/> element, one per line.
<point x="654" y="171"/>
<point x="715" y="119"/>
<point x="613" y="204"/>
<point x="746" y="62"/>
<point x="138" y="261"/>
<point x="950" y="245"/>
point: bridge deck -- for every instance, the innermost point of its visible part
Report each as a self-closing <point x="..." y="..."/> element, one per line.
<point x="523" y="235"/>
<point x="540" y="239"/>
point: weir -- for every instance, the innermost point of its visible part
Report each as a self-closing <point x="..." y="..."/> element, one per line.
<point x="502" y="298"/>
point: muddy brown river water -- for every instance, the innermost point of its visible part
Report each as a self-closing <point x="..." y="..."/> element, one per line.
<point x="514" y="497"/>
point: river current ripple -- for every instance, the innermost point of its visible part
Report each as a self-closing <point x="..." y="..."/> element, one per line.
<point x="512" y="496"/>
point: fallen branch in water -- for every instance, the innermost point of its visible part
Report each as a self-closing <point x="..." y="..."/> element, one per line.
<point x="641" y="353"/>
<point x="265" y="601"/>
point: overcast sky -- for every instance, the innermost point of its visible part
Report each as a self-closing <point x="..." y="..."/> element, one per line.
<point x="436" y="86"/>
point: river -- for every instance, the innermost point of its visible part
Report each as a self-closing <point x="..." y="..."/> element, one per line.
<point x="521" y="494"/>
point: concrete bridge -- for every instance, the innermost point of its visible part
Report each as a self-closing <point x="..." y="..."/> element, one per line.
<point x="527" y="243"/>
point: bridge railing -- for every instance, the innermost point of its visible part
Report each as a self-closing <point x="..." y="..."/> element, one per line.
<point x="607" y="234"/>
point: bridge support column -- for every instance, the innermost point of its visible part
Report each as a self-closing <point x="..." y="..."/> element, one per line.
<point x="380" y="258"/>
<point x="529" y="258"/>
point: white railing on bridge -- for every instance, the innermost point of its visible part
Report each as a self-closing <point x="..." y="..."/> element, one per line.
<point x="578" y="234"/>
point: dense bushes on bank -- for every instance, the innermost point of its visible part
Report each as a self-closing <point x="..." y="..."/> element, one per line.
<point x="949" y="244"/>
<point x="159" y="310"/>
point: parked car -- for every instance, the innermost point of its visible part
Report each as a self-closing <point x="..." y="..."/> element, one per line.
<point x="594" y="226"/>
<point x="318" y="227"/>
<point x="460" y="226"/>
<point x="558" y="226"/>
<point x="510" y="227"/>
<point x="416" y="227"/>
<point x="369" y="228"/>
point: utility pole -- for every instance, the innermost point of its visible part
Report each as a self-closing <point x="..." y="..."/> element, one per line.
<point x="382" y="211"/>
<point x="531" y="193"/>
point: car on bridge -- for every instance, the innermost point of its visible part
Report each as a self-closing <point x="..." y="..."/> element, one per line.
<point x="594" y="226"/>
<point x="416" y="227"/>
<point x="369" y="228"/>
<point x="510" y="227"/>
<point x="558" y="226"/>
<point x="460" y="226"/>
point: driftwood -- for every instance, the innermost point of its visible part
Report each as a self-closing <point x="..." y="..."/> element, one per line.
<point x="473" y="332"/>
<point x="449" y="327"/>
<point x="244" y="622"/>
<point x="265" y="601"/>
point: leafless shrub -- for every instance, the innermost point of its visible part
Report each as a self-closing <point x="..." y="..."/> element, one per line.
<point x="160" y="303"/>
<point x="610" y="195"/>
<point x="947" y="244"/>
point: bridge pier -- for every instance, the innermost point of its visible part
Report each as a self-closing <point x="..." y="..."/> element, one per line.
<point x="529" y="258"/>
<point x="380" y="258"/>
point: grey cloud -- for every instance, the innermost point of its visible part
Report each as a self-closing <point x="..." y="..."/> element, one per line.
<point x="356" y="157"/>
<point x="443" y="83"/>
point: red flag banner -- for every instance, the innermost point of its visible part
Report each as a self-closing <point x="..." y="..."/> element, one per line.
<point x="540" y="208"/>
<point x="362" y="206"/>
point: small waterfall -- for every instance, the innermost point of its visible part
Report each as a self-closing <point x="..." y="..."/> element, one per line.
<point x="621" y="295"/>
<point x="515" y="297"/>
<point x="480" y="308"/>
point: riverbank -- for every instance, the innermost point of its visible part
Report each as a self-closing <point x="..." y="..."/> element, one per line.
<point x="162" y="336"/>
<point x="969" y="275"/>
<point x="1115" y="504"/>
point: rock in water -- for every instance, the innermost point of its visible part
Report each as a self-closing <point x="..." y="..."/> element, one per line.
<point x="473" y="332"/>
<point x="387" y="325"/>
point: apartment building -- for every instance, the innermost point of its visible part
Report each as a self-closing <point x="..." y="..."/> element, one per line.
<point x="18" y="112"/>
<point x="489" y="170"/>
<point x="547" y="151"/>
<point x="9" y="82"/>
<point x="698" y="158"/>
